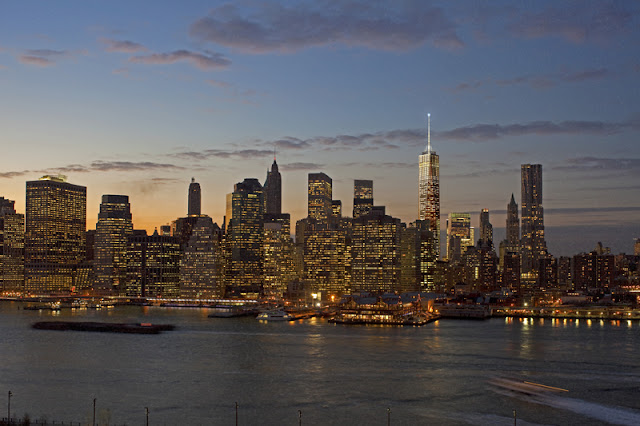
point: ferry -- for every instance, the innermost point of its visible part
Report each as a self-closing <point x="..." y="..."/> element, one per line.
<point x="275" y="315"/>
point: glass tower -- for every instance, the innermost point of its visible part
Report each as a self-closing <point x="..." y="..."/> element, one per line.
<point x="532" y="240"/>
<point x="429" y="191"/>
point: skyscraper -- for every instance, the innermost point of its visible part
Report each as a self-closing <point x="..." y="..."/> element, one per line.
<point x="11" y="247"/>
<point x="429" y="190"/>
<point x="113" y="228"/>
<point x="195" y="199"/>
<point x="513" y="226"/>
<point x="244" y="273"/>
<point x="56" y="223"/>
<point x="459" y="235"/>
<point x="362" y="197"/>
<point x="319" y="196"/>
<point x="273" y="190"/>
<point x="532" y="241"/>
<point x="486" y="229"/>
<point x="153" y="265"/>
<point x="199" y="264"/>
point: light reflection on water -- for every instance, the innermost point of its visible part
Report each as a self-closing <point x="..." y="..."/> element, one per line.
<point x="435" y="374"/>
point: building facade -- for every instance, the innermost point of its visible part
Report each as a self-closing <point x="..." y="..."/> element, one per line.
<point x="273" y="190"/>
<point x="194" y="207"/>
<point x="55" y="248"/>
<point x="11" y="247"/>
<point x="533" y="245"/>
<point x="113" y="229"/>
<point x="429" y="190"/>
<point x="362" y="197"/>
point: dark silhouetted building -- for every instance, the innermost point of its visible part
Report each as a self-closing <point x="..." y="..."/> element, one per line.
<point x="11" y="247"/>
<point x="273" y="190"/>
<point x="195" y="199"/>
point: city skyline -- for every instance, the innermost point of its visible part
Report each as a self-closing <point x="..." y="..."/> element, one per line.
<point x="137" y="101"/>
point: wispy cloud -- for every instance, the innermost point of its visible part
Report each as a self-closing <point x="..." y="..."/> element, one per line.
<point x="122" y="46"/>
<point x="594" y="164"/>
<point x="540" y="81"/>
<point x="35" y="60"/>
<point x="574" y="21"/>
<point x="10" y="175"/>
<point x="207" y="61"/>
<point x="106" y="166"/>
<point x="47" y="57"/>
<point x="290" y="167"/>
<point x="484" y="132"/>
<point x="289" y="28"/>
<point x="219" y="153"/>
<point x="218" y="83"/>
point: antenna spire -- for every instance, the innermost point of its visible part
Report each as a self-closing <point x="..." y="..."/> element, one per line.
<point x="429" y="132"/>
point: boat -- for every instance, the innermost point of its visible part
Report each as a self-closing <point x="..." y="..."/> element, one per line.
<point x="223" y="311"/>
<point x="135" y="328"/>
<point x="275" y="315"/>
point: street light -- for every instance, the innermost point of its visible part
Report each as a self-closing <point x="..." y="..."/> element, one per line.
<point x="146" y="411"/>
<point x="94" y="412"/>
<point x="9" y="408"/>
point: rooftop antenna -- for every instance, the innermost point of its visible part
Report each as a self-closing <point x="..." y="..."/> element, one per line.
<point x="429" y="132"/>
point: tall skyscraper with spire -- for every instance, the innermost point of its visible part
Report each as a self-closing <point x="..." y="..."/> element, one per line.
<point x="195" y="200"/>
<point x="429" y="189"/>
<point x="273" y="190"/>
<point x="533" y="244"/>
<point x="513" y="226"/>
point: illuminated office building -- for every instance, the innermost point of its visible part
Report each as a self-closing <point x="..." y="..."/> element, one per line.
<point x="56" y="223"/>
<point x="427" y="260"/>
<point x="319" y="201"/>
<point x="533" y="246"/>
<point x="244" y="270"/>
<point x="459" y="236"/>
<point x="200" y="263"/>
<point x="113" y="228"/>
<point x="153" y="266"/>
<point x="11" y="247"/>
<point x="375" y="253"/>
<point x="362" y="197"/>
<point x="429" y="191"/>
<point x="486" y="229"/>
<point x="278" y="266"/>
<point x="195" y="199"/>
<point x="480" y="266"/>
<point x="511" y="271"/>
<point x="593" y="271"/>
<point x="336" y="208"/>
<point x="273" y="190"/>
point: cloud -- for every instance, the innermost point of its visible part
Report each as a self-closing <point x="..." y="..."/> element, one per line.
<point x="47" y="53"/>
<point x="290" y="28"/>
<point x="541" y="81"/>
<point x="36" y="60"/>
<point x="122" y="46"/>
<point x="290" y="167"/>
<point x="484" y="132"/>
<point x="593" y="164"/>
<point x="126" y="166"/>
<point x="217" y="83"/>
<point x="204" y="62"/>
<point x="10" y="175"/>
<point x="575" y="21"/>
<point x="219" y="153"/>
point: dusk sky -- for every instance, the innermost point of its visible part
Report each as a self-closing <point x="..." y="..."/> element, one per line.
<point x="136" y="98"/>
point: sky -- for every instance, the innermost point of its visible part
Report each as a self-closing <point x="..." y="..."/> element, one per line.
<point x="136" y="98"/>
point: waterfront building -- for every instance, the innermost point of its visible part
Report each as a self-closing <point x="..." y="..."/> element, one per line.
<point x="200" y="262"/>
<point x="409" y="258"/>
<point x="533" y="246"/>
<point x="326" y="255"/>
<point x="362" y="197"/>
<point x="195" y="200"/>
<point x="429" y="191"/>
<point x="11" y="247"/>
<point x="459" y="236"/>
<point x="486" y="229"/>
<point x="55" y="236"/>
<point x="591" y="271"/>
<point x="273" y="190"/>
<point x="428" y="259"/>
<point x="548" y="272"/>
<point x="278" y="264"/>
<point x="375" y="253"/>
<point x="153" y="265"/>
<point x="244" y="270"/>
<point x="113" y="229"/>
<point x="636" y="247"/>
<point x="564" y="272"/>
<point x="319" y="201"/>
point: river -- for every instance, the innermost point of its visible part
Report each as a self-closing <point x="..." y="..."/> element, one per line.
<point x="438" y="374"/>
